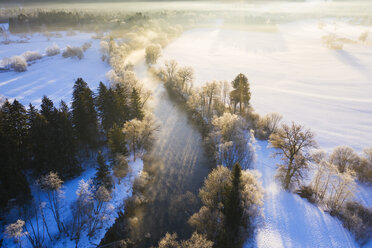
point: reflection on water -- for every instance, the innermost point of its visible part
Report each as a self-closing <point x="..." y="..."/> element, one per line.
<point x="180" y="168"/>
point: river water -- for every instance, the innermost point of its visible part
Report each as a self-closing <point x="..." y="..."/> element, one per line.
<point x="179" y="165"/>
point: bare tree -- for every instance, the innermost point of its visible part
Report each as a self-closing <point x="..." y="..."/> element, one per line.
<point x="82" y="210"/>
<point x="344" y="158"/>
<point x="102" y="196"/>
<point x="268" y="124"/>
<point x="231" y="142"/>
<point x="331" y="187"/>
<point x="185" y="76"/>
<point x="52" y="184"/>
<point x="293" y="144"/>
<point x="364" y="168"/>
<point x="171" y="68"/>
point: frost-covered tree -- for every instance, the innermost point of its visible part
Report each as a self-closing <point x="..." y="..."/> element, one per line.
<point x="82" y="209"/>
<point x="267" y="125"/>
<point x="232" y="144"/>
<point x="331" y="187"/>
<point x="153" y="52"/>
<point x="140" y="134"/>
<point x="171" y="68"/>
<point x="210" y="93"/>
<point x="222" y="194"/>
<point x="15" y="231"/>
<point x="293" y="144"/>
<point x="344" y="158"/>
<point x="196" y="241"/>
<point x="185" y="76"/>
<point x="102" y="196"/>
<point x="52" y="184"/>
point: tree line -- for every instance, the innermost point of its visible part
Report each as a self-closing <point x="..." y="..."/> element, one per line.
<point x="55" y="138"/>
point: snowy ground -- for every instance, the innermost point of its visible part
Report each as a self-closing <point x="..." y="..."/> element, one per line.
<point x="292" y="73"/>
<point x="51" y="76"/>
<point x="291" y="221"/>
<point x="120" y="192"/>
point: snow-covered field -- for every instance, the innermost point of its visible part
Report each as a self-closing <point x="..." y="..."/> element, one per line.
<point x="292" y="73"/>
<point x="291" y="221"/>
<point x="51" y="76"/>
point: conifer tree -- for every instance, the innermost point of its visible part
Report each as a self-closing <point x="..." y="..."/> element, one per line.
<point x="116" y="141"/>
<point x="102" y="177"/>
<point x="233" y="210"/>
<point x="66" y="143"/>
<point x="47" y="108"/>
<point x="84" y="115"/>
<point x="121" y="113"/>
<point x="136" y="105"/>
<point x="13" y="132"/>
<point x="241" y="93"/>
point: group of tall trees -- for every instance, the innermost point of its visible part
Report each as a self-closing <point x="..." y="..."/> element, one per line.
<point x="214" y="98"/>
<point x="51" y="138"/>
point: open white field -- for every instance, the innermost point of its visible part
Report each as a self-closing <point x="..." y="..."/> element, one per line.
<point x="51" y="76"/>
<point x="291" y="221"/>
<point x="291" y="72"/>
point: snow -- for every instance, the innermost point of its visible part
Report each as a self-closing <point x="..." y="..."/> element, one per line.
<point x="291" y="221"/>
<point x="120" y="192"/>
<point x="292" y="73"/>
<point x="51" y="76"/>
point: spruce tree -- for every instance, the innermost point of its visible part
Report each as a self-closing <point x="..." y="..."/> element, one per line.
<point x="102" y="177"/>
<point x="233" y="210"/>
<point x="241" y="93"/>
<point x="116" y="141"/>
<point x="66" y="144"/>
<point x="47" y="108"/>
<point x="13" y="154"/>
<point x="121" y="104"/>
<point x="84" y="115"/>
<point x="136" y="105"/>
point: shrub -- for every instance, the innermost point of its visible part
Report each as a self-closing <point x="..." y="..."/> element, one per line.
<point x="344" y="158"/>
<point x="267" y="125"/>
<point x="31" y="55"/>
<point x="153" y="52"/>
<point x="86" y="45"/>
<point x="332" y="42"/>
<point x="306" y="192"/>
<point x="18" y="63"/>
<point x="53" y="50"/>
<point x="364" y="168"/>
<point x="72" y="52"/>
<point x="358" y="219"/>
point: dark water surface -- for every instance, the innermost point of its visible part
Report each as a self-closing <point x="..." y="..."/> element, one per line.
<point x="178" y="165"/>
